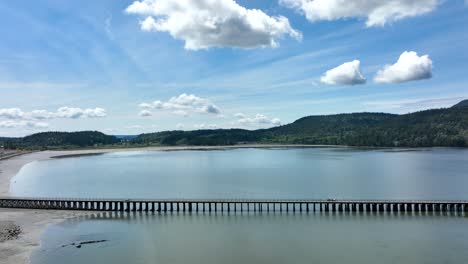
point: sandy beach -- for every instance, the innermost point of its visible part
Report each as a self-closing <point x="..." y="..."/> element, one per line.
<point x="31" y="223"/>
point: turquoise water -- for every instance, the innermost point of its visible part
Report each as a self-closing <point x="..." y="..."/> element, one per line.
<point x="314" y="173"/>
<point x="251" y="238"/>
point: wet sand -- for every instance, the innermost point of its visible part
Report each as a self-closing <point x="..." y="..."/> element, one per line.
<point x="31" y="223"/>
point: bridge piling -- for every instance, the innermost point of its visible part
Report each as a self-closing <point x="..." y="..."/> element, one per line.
<point x="231" y="205"/>
<point x="444" y="207"/>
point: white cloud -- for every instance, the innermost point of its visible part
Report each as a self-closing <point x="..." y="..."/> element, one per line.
<point x="207" y="23"/>
<point x="180" y="126"/>
<point x="62" y="112"/>
<point x="22" y="124"/>
<point x="348" y="73"/>
<point x="240" y="115"/>
<point x="258" y="119"/>
<point x="40" y="114"/>
<point x="11" y="113"/>
<point x="409" y="67"/>
<point x="145" y="113"/>
<point x="73" y="112"/>
<point x="145" y="106"/>
<point x="183" y="104"/>
<point x="377" y="12"/>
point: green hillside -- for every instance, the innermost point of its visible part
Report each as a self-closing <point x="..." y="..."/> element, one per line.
<point x="3" y="140"/>
<point x="461" y="104"/>
<point x="210" y="137"/>
<point x="439" y="127"/>
<point x="47" y="140"/>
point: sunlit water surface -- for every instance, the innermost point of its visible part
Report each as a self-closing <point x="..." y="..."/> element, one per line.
<point x="259" y="238"/>
<point x="312" y="173"/>
<point x="256" y="237"/>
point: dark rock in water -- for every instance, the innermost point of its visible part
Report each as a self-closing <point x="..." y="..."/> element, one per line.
<point x="79" y="244"/>
<point x="92" y="242"/>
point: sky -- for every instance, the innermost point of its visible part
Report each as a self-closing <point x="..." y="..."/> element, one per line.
<point x="131" y="67"/>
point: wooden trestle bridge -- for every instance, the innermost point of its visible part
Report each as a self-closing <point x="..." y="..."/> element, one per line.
<point x="233" y="205"/>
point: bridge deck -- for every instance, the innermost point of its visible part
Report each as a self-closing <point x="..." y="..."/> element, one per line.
<point x="232" y="204"/>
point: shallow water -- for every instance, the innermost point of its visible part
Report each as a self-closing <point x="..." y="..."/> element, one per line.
<point x="317" y="237"/>
<point x="309" y="173"/>
<point x="258" y="238"/>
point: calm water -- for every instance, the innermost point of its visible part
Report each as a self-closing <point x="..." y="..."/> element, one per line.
<point x="257" y="237"/>
<point x="252" y="173"/>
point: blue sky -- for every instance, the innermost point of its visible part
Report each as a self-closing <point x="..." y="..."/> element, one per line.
<point x="89" y="65"/>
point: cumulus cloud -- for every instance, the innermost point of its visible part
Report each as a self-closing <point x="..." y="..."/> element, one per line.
<point x="40" y="114"/>
<point x="206" y="23"/>
<point x="73" y="112"/>
<point x="145" y="113"/>
<point x="348" y="73"/>
<point x="240" y="115"/>
<point x="22" y="124"/>
<point x="11" y="113"/>
<point x="17" y="118"/>
<point x="183" y="104"/>
<point x="256" y="120"/>
<point x="377" y="12"/>
<point x="409" y="67"/>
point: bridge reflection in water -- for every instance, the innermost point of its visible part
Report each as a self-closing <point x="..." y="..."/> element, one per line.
<point x="226" y="205"/>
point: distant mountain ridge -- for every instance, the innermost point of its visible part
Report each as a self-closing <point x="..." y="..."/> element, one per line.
<point x="446" y="127"/>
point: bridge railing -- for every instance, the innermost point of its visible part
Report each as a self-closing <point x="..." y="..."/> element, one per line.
<point x="190" y="205"/>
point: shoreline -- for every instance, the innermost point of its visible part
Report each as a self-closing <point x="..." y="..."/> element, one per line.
<point x="31" y="222"/>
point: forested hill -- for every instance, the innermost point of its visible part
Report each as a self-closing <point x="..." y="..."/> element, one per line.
<point x="3" y="140"/>
<point x="438" y="127"/>
<point x="461" y="104"/>
<point x="50" y="140"/>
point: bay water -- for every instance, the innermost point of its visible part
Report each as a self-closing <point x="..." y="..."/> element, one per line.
<point x="255" y="237"/>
